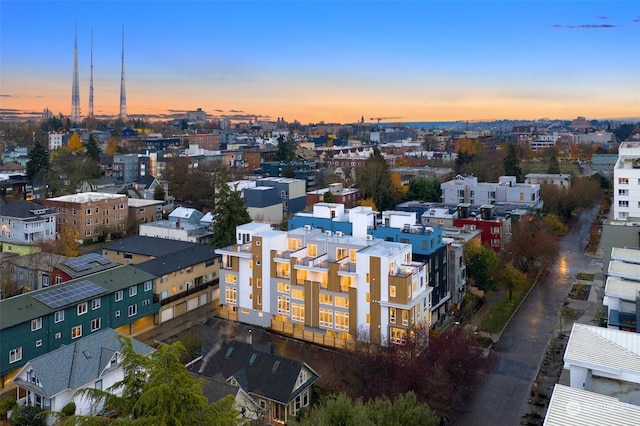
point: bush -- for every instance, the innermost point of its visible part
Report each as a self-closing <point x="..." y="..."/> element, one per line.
<point x="69" y="409"/>
<point x="29" y="416"/>
<point x="87" y="241"/>
<point x="7" y="404"/>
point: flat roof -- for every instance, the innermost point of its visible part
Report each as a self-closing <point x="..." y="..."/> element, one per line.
<point x="85" y="197"/>
<point x="137" y="202"/>
<point x="630" y="255"/>
<point x="571" y="406"/>
<point x="622" y="269"/>
<point x="622" y="289"/>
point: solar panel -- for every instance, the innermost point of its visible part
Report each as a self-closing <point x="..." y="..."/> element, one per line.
<point x="64" y="295"/>
<point x="83" y="263"/>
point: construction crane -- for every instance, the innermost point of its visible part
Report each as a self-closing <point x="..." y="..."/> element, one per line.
<point x="383" y="118"/>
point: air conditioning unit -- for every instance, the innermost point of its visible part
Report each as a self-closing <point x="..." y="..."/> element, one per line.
<point x="327" y="233"/>
<point x="339" y="234"/>
<point x="369" y="237"/>
<point x="307" y="227"/>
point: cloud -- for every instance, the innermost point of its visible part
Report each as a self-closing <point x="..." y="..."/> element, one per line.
<point x="235" y="110"/>
<point x="604" y="18"/>
<point x="219" y="110"/>
<point x="637" y="19"/>
<point x="586" y="26"/>
<point x="4" y="96"/>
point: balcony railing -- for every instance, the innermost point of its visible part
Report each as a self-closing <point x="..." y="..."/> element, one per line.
<point x="182" y="294"/>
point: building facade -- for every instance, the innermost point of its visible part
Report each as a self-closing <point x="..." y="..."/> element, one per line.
<point x="626" y="182"/>
<point x="24" y="225"/>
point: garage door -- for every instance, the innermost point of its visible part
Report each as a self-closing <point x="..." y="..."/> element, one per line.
<point x="166" y="314"/>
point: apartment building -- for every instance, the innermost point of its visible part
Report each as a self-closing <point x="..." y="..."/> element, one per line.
<point x="350" y="197"/>
<point x="561" y="180"/>
<point x="24" y="225"/>
<point x="467" y="189"/>
<point x="90" y="214"/>
<point x="323" y="286"/>
<point x="626" y="182"/>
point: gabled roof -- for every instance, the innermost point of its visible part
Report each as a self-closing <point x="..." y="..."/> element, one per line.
<point x="86" y="264"/>
<point x="178" y="260"/>
<point x="146" y="181"/>
<point x="25" y="210"/>
<point x="76" y="364"/>
<point x="262" y="373"/>
<point x="149" y="246"/>
<point x="603" y="349"/>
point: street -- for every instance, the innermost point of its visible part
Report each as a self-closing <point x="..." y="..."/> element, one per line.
<point x="501" y="399"/>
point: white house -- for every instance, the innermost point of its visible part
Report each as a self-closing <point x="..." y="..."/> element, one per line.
<point x="626" y="181"/>
<point x="26" y="223"/>
<point x="52" y="380"/>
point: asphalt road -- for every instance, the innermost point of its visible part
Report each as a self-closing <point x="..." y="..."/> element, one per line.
<point x="501" y="399"/>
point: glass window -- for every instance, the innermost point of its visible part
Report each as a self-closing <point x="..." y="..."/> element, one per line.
<point x="95" y="324"/>
<point x="82" y="308"/>
<point x="119" y="295"/>
<point x="95" y="304"/>
<point x="133" y="310"/>
<point x="76" y="332"/>
<point x="15" y="355"/>
<point x="133" y="290"/>
<point x="36" y="324"/>
<point x="148" y="285"/>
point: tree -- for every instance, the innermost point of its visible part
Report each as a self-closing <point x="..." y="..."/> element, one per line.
<point x="510" y="277"/>
<point x="75" y="143"/>
<point x="423" y="189"/>
<point x="532" y="245"/>
<point x="341" y="410"/>
<point x="328" y="197"/>
<point x="286" y="148"/>
<point x="39" y="163"/>
<point x="159" y="193"/>
<point x="229" y="211"/>
<point x="92" y="150"/>
<point x="29" y="415"/>
<point x="511" y="163"/>
<point x="157" y="390"/>
<point x="289" y="172"/>
<point x="66" y="244"/>
<point x="176" y="174"/>
<point x="481" y="262"/>
<point x="554" y="167"/>
<point x="112" y="146"/>
<point x="375" y="182"/>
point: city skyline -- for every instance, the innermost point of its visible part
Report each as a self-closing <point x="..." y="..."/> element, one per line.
<point x="332" y="62"/>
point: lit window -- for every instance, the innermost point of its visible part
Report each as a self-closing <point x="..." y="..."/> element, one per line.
<point x="76" y="332"/>
<point x="297" y="294"/>
<point x="231" y="295"/>
<point x="392" y="291"/>
<point x="392" y="315"/>
<point x="326" y="299"/>
<point x="36" y="324"/>
<point x="283" y="305"/>
<point x="297" y="312"/>
<point x="231" y="278"/>
<point x="342" y="320"/>
<point x="326" y="317"/>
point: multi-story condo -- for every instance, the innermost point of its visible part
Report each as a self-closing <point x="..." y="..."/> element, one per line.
<point x="323" y="286"/>
<point x="341" y="195"/>
<point x="24" y="225"/>
<point x="34" y="323"/>
<point x="468" y="190"/>
<point x="561" y="180"/>
<point x="90" y="214"/>
<point x="626" y="182"/>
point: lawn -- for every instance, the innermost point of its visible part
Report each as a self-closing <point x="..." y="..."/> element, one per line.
<point x="496" y="319"/>
<point x="543" y="167"/>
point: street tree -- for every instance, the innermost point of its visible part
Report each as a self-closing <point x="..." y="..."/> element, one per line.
<point x="481" y="264"/>
<point x="532" y="246"/>
<point x="156" y="390"/>
<point x="374" y="180"/>
<point x="511" y="277"/>
<point x="39" y="162"/>
<point x="511" y="163"/>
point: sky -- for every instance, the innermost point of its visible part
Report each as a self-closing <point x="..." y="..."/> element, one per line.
<point x="331" y="61"/>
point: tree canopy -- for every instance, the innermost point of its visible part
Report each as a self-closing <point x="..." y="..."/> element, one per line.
<point x="229" y="212"/>
<point x="511" y="163"/>
<point x="92" y="150"/>
<point x="156" y="390"/>
<point x="375" y="182"/>
<point x="481" y="262"/>
<point x="423" y="189"/>
<point x="286" y="148"/>
<point x="39" y="162"/>
<point x="75" y="143"/>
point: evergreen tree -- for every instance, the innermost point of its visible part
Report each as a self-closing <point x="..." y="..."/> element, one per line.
<point x="511" y="163"/>
<point x="423" y="189"/>
<point x="39" y="163"/>
<point x="554" y="167"/>
<point x="229" y="211"/>
<point x="159" y="193"/>
<point x="286" y="148"/>
<point x="157" y="390"/>
<point x="375" y="182"/>
<point x="328" y="197"/>
<point x="92" y="150"/>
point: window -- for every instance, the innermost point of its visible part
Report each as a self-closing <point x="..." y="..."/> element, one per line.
<point x="95" y="304"/>
<point x="352" y="255"/>
<point x="58" y="279"/>
<point x="326" y="299"/>
<point x="133" y="290"/>
<point x="58" y="336"/>
<point x="98" y="384"/>
<point x="297" y="294"/>
<point x="368" y="319"/>
<point x="623" y="181"/>
<point x="38" y="343"/>
<point x="392" y="315"/>
<point x="367" y="297"/>
<point x="231" y="295"/>
<point x="76" y="332"/>
<point x="392" y="291"/>
<point x="342" y="302"/>
<point x="326" y="317"/>
<point x="15" y="355"/>
<point x="82" y="308"/>
<point x="146" y="302"/>
<point x="341" y="253"/>
<point x="283" y="305"/>
<point x="623" y="192"/>
<point x="283" y="287"/>
<point x="117" y="313"/>
<point x="36" y="324"/>
<point x="231" y="278"/>
<point x="312" y="250"/>
<point x="95" y="324"/>
<point x="148" y="285"/>
<point x="297" y="312"/>
<point x="119" y="295"/>
<point x="367" y="278"/>
<point x="342" y="321"/>
<point x="133" y="310"/>
<point x="398" y="336"/>
<point x="623" y="203"/>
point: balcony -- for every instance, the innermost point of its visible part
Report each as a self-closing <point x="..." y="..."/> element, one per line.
<point x="196" y="288"/>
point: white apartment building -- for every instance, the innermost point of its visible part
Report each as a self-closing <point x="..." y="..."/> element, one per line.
<point x="324" y="287"/>
<point x="626" y="181"/>
<point x="561" y="180"/>
<point x="467" y="189"/>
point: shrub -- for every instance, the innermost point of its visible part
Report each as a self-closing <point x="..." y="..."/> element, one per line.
<point x="69" y="409"/>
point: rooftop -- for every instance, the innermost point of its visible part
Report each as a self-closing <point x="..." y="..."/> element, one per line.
<point x="86" y="197"/>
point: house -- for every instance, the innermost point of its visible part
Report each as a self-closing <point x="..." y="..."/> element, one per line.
<point x="32" y="271"/>
<point x="138" y="249"/>
<point x="329" y="288"/>
<point x="350" y="197"/>
<point x="105" y="184"/>
<point x="25" y="225"/>
<point x="280" y="386"/>
<point x="71" y="268"/>
<point x="90" y="214"/>
<point x="183" y="224"/>
<point x="561" y="180"/>
<point x="35" y="323"/>
<point x="91" y="362"/>
<point x="467" y="189"/>
<point x="145" y="211"/>
<point x="217" y="388"/>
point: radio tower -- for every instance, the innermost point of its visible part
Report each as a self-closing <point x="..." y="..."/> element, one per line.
<point x="91" y="81"/>
<point x="123" y="93"/>
<point x="75" y="90"/>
